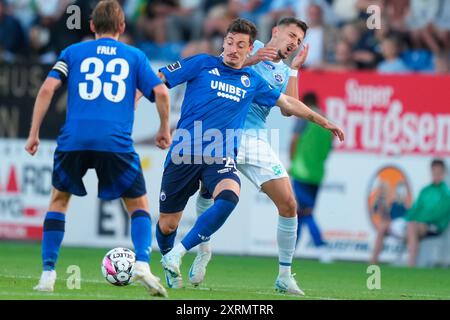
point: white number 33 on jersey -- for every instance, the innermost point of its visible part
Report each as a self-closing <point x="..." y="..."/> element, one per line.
<point x="97" y="85"/>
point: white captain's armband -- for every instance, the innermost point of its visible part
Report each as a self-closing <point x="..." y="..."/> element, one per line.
<point x="62" y="68"/>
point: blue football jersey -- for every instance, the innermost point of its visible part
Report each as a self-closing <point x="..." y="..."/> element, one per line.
<point x="277" y="75"/>
<point x="217" y="100"/>
<point x="102" y="77"/>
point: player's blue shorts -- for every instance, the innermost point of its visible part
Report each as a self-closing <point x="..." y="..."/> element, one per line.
<point x="119" y="174"/>
<point x="305" y="194"/>
<point x="181" y="181"/>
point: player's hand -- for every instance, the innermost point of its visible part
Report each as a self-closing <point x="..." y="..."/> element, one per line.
<point x="300" y="58"/>
<point x="163" y="139"/>
<point x="32" y="145"/>
<point x="265" y="54"/>
<point x="335" y="130"/>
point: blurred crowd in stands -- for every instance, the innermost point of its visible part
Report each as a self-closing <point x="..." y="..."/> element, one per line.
<point x="414" y="34"/>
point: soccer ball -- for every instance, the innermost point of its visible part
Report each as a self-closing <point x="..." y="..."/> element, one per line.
<point x="118" y="266"/>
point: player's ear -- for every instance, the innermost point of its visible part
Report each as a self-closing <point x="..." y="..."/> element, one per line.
<point x="92" y="26"/>
<point x="274" y="31"/>
<point x="122" y="27"/>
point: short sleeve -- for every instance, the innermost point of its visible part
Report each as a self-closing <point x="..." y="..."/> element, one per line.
<point x="266" y="95"/>
<point x="183" y="70"/>
<point x="61" y="70"/>
<point x="146" y="78"/>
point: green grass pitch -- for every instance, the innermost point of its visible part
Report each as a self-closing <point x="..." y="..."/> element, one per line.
<point x="228" y="278"/>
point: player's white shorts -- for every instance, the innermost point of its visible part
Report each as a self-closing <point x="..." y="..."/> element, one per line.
<point x="258" y="162"/>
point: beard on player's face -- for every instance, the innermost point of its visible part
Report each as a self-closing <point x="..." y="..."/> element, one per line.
<point x="286" y="49"/>
<point x="286" y="40"/>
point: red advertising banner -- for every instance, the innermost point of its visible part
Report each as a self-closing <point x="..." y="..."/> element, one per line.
<point x="25" y="186"/>
<point x="385" y="114"/>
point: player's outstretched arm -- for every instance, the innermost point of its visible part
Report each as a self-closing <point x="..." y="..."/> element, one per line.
<point x="297" y="62"/>
<point x="162" y="100"/>
<point x="263" y="54"/>
<point x="300" y="110"/>
<point x="43" y="100"/>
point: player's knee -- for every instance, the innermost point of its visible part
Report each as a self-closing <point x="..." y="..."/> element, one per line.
<point x="167" y="226"/>
<point x="59" y="201"/>
<point x="287" y="207"/>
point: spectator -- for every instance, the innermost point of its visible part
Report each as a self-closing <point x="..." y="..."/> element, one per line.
<point x="153" y="27"/>
<point x="392" y="63"/>
<point x="390" y="214"/>
<point x="440" y="26"/>
<point x="343" y="59"/>
<point x="185" y="23"/>
<point x="345" y="10"/>
<point x="277" y="10"/>
<point x="421" y="15"/>
<point x="321" y="38"/>
<point x="251" y="9"/>
<point x="430" y="214"/>
<point x="363" y="44"/>
<point x="153" y="23"/>
<point x="12" y="38"/>
<point x="50" y="30"/>
<point x="442" y="63"/>
<point x="395" y="13"/>
<point x="24" y="11"/>
<point x="310" y="146"/>
<point x="301" y="9"/>
<point x="218" y="19"/>
<point x="40" y="46"/>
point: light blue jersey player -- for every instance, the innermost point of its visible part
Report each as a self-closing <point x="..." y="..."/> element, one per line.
<point x="257" y="160"/>
<point x="218" y="96"/>
<point x="102" y="78"/>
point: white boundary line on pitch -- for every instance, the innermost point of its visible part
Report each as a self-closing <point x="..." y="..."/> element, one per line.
<point x="225" y="288"/>
<point x="213" y="289"/>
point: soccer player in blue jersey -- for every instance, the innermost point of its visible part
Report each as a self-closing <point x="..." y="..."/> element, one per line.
<point x="256" y="159"/>
<point x="102" y="76"/>
<point x="218" y="96"/>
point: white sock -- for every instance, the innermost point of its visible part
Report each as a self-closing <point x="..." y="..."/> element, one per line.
<point x="284" y="270"/>
<point x="201" y="205"/>
<point x="179" y="249"/>
<point x="204" y="246"/>
<point x="286" y="237"/>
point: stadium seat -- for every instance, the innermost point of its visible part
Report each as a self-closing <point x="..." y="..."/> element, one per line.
<point x="434" y="251"/>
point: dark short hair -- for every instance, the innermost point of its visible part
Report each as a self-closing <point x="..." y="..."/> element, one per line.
<point x="107" y="17"/>
<point x="292" y="20"/>
<point x="439" y="163"/>
<point x="243" y="26"/>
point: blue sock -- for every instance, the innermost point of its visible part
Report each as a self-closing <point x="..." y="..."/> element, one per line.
<point x="141" y="234"/>
<point x="52" y="238"/>
<point x="314" y="230"/>
<point x="211" y="220"/>
<point x="165" y="241"/>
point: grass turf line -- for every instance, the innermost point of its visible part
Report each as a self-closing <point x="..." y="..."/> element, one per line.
<point x="228" y="278"/>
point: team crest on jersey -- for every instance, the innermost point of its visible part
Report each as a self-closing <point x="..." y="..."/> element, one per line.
<point x="174" y="66"/>
<point x="278" y="77"/>
<point x="245" y="81"/>
<point x="162" y="196"/>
